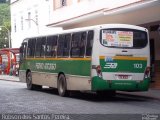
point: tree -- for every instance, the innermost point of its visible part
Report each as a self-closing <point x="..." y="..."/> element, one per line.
<point x="4" y="21"/>
<point x="2" y="1"/>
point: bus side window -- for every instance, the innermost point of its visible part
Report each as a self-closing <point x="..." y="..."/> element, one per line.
<point x="89" y="43"/>
<point x="82" y="44"/>
<point x="60" y="45"/>
<point x="75" y="50"/>
<point x="31" y="47"/>
<point x="66" y="45"/>
<point x="40" y="47"/>
<point x="23" y="51"/>
<point x="51" y="46"/>
<point x="43" y="46"/>
<point x="38" y="43"/>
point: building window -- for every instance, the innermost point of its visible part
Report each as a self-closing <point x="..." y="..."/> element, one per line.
<point x="81" y="0"/>
<point x="63" y="3"/>
<point x="21" y="22"/>
<point x="15" y="26"/>
<point x="36" y="17"/>
<point x="29" y="19"/>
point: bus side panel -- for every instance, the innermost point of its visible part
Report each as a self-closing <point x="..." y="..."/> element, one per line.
<point x="78" y="83"/>
<point x="77" y="72"/>
<point x="45" y="79"/>
<point x="22" y="75"/>
<point x="22" y="71"/>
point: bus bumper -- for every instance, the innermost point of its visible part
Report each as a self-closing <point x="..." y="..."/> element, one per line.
<point x="99" y="84"/>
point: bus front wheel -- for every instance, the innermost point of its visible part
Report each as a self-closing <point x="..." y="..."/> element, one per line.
<point x="31" y="86"/>
<point x="62" y="86"/>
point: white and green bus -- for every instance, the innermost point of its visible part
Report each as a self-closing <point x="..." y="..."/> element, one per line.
<point x="103" y="58"/>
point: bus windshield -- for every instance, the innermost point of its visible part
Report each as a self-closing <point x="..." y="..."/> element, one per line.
<point x="123" y="38"/>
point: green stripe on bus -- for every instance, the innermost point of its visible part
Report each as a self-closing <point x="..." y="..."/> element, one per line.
<point x="73" y="67"/>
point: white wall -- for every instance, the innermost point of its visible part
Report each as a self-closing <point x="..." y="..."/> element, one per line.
<point x="86" y="6"/>
<point x="19" y="9"/>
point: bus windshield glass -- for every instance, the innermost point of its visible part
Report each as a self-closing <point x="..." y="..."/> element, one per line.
<point x="123" y="38"/>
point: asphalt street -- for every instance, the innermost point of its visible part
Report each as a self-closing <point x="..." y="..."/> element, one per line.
<point x="16" y="99"/>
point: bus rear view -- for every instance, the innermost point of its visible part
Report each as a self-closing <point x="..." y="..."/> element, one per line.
<point x="123" y="59"/>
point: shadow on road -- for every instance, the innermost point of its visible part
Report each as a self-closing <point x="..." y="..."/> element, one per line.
<point x="117" y="98"/>
<point x="96" y="98"/>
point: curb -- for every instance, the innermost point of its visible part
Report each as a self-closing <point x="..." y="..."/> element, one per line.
<point x="9" y="80"/>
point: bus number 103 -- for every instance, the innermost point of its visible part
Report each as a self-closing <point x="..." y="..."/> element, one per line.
<point x="139" y="66"/>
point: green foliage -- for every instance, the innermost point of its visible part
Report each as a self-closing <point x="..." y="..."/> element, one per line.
<point x="2" y="1"/>
<point x="4" y="13"/>
<point x="4" y="21"/>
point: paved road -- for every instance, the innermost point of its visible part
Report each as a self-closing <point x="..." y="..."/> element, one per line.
<point x="15" y="98"/>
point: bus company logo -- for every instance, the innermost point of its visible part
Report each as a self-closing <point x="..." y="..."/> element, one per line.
<point x="111" y="65"/>
<point x="45" y="66"/>
<point x="108" y="59"/>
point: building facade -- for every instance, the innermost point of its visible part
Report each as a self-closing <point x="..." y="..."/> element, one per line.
<point x="36" y="16"/>
<point x="29" y="18"/>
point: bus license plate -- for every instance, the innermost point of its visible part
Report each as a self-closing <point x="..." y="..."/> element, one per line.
<point x="123" y="77"/>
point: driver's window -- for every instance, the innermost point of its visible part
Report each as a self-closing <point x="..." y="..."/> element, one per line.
<point x="23" y="49"/>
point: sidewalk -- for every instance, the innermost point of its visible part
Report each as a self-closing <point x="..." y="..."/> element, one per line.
<point x="9" y="78"/>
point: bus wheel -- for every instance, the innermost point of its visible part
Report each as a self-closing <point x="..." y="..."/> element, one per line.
<point x="31" y="86"/>
<point x="62" y="86"/>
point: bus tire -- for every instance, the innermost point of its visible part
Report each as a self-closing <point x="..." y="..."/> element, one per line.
<point x="62" y="86"/>
<point x="31" y="86"/>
